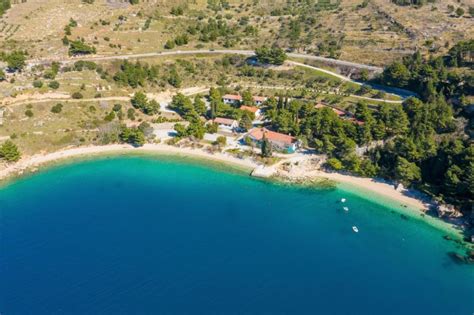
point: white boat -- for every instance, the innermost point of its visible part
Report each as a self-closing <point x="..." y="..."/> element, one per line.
<point x="343" y="200"/>
<point x="355" y="229"/>
<point x="345" y="208"/>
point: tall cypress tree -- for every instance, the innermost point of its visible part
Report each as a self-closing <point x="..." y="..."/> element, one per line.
<point x="266" y="147"/>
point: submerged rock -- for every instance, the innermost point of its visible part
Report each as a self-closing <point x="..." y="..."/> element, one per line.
<point x="461" y="259"/>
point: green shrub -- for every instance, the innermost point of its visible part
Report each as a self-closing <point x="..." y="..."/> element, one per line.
<point x="54" y="85"/>
<point x="56" y="109"/>
<point x="77" y="95"/>
<point x="38" y="84"/>
<point x="29" y="113"/>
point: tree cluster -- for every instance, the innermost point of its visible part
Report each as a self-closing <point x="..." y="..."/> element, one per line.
<point x="436" y="75"/>
<point x="142" y="103"/>
<point x="79" y="47"/>
<point x="16" y="60"/>
<point x="134" y="136"/>
<point x="188" y="109"/>
<point x="136" y="74"/>
<point x="195" y="129"/>
<point x="272" y="55"/>
<point x="211" y="30"/>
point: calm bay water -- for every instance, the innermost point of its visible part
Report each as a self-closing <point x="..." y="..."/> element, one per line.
<point x="138" y="236"/>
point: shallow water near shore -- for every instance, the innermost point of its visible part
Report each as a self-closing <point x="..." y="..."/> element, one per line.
<point x="128" y="235"/>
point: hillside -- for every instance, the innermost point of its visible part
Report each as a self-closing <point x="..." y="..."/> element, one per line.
<point x="372" y="32"/>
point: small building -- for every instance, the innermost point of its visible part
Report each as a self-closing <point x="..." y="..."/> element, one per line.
<point x="342" y="114"/>
<point x="226" y="124"/>
<point x="356" y="121"/>
<point x="1" y="116"/>
<point x="234" y="99"/>
<point x="253" y="109"/>
<point x="339" y="112"/>
<point x="259" y="100"/>
<point x="279" y="141"/>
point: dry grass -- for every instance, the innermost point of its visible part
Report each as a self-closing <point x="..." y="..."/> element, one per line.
<point x="368" y="35"/>
<point x="46" y="131"/>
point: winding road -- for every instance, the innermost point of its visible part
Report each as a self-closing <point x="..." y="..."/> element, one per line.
<point x="403" y="94"/>
<point x="395" y="91"/>
<point x="198" y="52"/>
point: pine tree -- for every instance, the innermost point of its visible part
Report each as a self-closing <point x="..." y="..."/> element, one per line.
<point x="9" y="151"/>
<point x="199" y="105"/>
<point x="245" y="121"/>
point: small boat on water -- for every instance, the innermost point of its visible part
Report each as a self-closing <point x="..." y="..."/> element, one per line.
<point x="343" y="200"/>
<point x="355" y="229"/>
<point x="345" y="209"/>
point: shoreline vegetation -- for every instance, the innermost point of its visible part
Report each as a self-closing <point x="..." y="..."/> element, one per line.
<point x="409" y="204"/>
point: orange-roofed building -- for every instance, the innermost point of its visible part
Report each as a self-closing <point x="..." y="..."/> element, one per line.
<point x="339" y="112"/>
<point x="319" y="105"/>
<point x="357" y="122"/>
<point x="278" y="140"/>
<point x="252" y="109"/>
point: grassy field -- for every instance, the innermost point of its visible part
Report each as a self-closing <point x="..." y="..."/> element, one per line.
<point x="45" y="131"/>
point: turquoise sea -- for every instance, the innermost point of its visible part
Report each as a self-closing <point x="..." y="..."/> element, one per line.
<point x="142" y="235"/>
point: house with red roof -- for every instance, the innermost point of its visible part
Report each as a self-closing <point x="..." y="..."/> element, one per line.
<point x="253" y="109"/>
<point x="339" y="112"/>
<point x="356" y="121"/>
<point x="279" y="141"/>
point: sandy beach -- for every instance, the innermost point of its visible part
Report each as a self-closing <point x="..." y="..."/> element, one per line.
<point x="299" y="171"/>
<point x="302" y="172"/>
<point x="378" y="187"/>
<point x="38" y="160"/>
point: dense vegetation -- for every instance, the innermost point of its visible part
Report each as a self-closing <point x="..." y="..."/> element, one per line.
<point x="436" y="75"/>
<point x="427" y="143"/>
<point x="141" y="102"/>
<point x="79" y="47"/>
<point x="422" y="146"/>
<point x="273" y="55"/>
<point x="423" y="143"/>
<point x="412" y="2"/>
<point x="16" y="60"/>
<point x="437" y="153"/>
<point x="136" y="75"/>
<point x="4" y="6"/>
